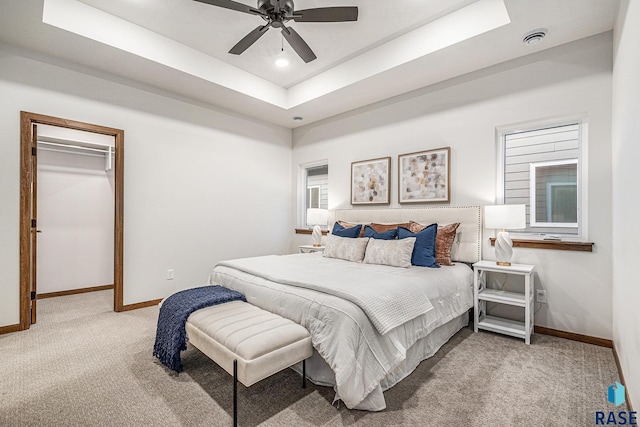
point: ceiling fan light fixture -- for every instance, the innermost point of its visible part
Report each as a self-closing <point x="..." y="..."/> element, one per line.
<point x="276" y="13"/>
<point x="282" y="62"/>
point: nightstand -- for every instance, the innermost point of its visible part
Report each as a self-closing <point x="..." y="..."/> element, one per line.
<point x="306" y="249"/>
<point x="482" y="294"/>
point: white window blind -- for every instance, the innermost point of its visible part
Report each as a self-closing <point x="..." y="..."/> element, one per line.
<point x="533" y="150"/>
<point x="317" y="188"/>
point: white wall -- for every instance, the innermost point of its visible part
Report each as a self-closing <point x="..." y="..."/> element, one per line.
<point x="626" y="204"/>
<point x="75" y="215"/>
<point x="201" y="184"/>
<point x="463" y="113"/>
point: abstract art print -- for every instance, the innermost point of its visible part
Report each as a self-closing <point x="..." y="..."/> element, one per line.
<point x="370" y="182"/>
<point x="424" y="177"/>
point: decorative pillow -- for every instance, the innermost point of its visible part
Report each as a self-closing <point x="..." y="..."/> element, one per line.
<point x="350" y="225"/>
<point x="396" y="253"/>
<point x="415" y="227"/>
<point x="444" y="240"/>
<point x="384" y="235"/>
<point x="341" y="231"/>
<point x="346" y="224"/>
<point x="349" y="249"/>
<point x="424" y="250"/>
<point x="381" y="228"/>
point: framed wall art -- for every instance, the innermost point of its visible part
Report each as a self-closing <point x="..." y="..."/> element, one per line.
<point x="370" y="182"/>
<point x="425" y="176"/>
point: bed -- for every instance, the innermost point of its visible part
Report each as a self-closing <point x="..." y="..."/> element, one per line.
<point x="408" y="314"/>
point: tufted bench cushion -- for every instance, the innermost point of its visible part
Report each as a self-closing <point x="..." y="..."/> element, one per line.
<point x="263" y="343"/>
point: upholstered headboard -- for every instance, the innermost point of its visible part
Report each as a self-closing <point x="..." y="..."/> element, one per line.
<point x="467" y="246"/>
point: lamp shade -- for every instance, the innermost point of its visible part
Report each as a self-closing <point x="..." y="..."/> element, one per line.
<point x="317" y="216"/>
<point x="506" y="217"/>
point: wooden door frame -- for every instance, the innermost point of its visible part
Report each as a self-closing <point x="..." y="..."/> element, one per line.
<point x="27" y="120"/>
<point x="33" y="198"/>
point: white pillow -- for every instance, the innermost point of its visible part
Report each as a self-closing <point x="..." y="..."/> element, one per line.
<point x="396" y="253"/>
<point x="345" y="248"/>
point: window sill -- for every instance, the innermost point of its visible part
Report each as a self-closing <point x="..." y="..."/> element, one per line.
<point x="550" y="244"/>
<point x="308" y="231"/>
<point x="519" y="243"/>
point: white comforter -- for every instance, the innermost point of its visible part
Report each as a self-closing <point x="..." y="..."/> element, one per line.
<point x="359" y="355"/>
<point x="389" y="299"/>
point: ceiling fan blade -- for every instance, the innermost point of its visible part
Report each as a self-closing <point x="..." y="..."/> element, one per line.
<point x="249" y="39"/>
<point x="233" y="5"/>
<point x="327" y="14"/>
<point x="298" y="44"/>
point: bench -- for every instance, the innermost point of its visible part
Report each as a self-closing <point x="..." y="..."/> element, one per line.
<point x="249" y="343"/>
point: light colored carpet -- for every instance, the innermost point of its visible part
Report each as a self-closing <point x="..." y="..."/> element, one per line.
<point x="84" y="365"/>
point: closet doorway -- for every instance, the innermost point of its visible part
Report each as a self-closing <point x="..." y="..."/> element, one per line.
<point x="29" y="143"/>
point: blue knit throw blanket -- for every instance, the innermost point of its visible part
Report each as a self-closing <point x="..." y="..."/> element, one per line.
<point x="171" y="336"/>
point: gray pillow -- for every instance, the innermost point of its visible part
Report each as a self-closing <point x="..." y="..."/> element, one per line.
<point x="349" y="249"/>
<point x="396" y="253"/>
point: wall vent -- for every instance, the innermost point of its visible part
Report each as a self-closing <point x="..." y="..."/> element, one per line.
<point x="535" y="36"/>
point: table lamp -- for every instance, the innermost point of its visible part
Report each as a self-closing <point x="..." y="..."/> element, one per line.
<point x="317" y="217"/>
<point x="504" y="217"/>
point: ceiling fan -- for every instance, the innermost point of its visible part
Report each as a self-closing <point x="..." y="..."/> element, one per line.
<point x="276" y="13"/>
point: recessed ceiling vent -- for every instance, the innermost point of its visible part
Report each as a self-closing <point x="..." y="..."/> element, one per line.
<point x="535" y="36"/>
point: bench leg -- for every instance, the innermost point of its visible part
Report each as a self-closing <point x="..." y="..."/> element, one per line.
<point x="235" y="392"/>
<point x="304" y="373"/>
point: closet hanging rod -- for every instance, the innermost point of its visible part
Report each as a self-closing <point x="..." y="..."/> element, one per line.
<point x="59" y="150"/>
<point x="106" y="150"/>
<point x="75" y="143"/>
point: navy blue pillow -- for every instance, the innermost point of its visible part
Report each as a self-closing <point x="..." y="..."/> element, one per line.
<point x="424" y="250"/>
<point x="352" y="232"/>
<point x="385" y="235"/>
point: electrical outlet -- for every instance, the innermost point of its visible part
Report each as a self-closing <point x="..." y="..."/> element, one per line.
<point x="170" y="274"/>
<point x="541" y="296"/>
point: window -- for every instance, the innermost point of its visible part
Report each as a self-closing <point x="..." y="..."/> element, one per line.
<point x="542" y="167"/>
<point x="313" y="196"/>
<point x="554" y="194"/>
<point x="316" y="184"/>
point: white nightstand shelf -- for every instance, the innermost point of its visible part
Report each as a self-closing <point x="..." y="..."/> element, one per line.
<point x="483" y="294"/>
<point x="502" y="326"/>
<point x="504" y="297"/>
<point x="305" y="249"/>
